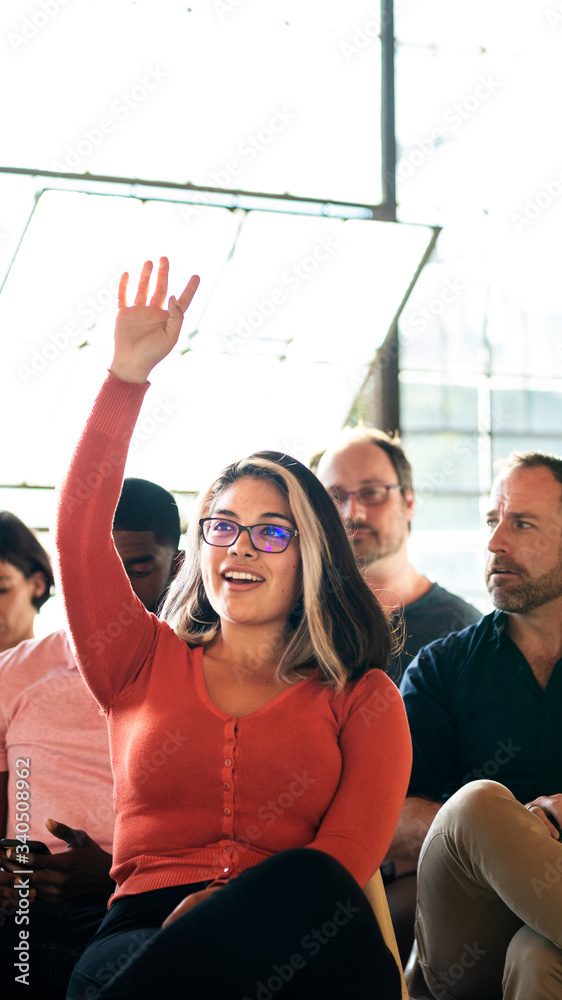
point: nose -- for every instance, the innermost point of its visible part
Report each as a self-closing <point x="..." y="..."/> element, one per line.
<point x="353" y="509"/>
<point x="499" y="538"/>
<point x="243" y="545"/>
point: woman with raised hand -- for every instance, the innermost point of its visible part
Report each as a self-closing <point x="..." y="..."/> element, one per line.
<point x="261" y="755"/>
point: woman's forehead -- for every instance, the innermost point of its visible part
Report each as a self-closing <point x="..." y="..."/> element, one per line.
<point x="252" y="493"/>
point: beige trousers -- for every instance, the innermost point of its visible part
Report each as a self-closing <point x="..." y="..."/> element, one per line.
<point x="489" y="914"/>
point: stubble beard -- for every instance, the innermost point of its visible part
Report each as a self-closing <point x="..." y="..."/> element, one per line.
<point x="521" y="597"/>
<point x="371" y="550"/>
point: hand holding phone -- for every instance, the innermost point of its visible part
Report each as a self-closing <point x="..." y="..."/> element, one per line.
<point x="35" y="846"/>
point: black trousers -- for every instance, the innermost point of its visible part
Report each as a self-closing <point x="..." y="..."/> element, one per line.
<point x="38" y="965"/>
<point x="296" y="924"/>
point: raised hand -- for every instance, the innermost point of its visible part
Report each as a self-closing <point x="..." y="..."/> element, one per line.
<point x="145" y="333"/>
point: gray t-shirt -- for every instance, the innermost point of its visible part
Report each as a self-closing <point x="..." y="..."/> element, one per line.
<point x="433" y="616"/>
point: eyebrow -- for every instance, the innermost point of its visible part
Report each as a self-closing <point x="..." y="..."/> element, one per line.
<point x="138" y="559"/>
<point x="520" y="515"/>
<point x="368" y="482"/>
<point x="267" y="513"/>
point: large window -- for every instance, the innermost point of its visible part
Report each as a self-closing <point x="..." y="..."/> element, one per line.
<point x="479" y="347"/>
<point x="251" y="142"/>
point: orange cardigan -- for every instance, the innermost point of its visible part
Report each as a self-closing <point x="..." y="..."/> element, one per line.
<point x="200" y="794"/>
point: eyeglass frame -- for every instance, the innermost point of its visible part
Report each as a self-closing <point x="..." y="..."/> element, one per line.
<point x="355" y="493"/>
<point x="293" y="532"/>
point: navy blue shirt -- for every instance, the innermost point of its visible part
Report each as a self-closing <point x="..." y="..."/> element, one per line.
<point x="476" y="710"/>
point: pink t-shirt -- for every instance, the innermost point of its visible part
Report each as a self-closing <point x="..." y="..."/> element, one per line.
<point x="49" y="718"/>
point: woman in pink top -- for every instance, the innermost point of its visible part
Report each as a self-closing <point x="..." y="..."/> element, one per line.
<point x="260" y="753"/>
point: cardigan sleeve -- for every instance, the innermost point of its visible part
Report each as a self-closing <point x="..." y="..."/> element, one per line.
<point x="111" y="631"/>
<point x="377" y="756"/>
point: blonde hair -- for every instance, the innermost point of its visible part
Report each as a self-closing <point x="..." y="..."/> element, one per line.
<point x="336" y="624"/>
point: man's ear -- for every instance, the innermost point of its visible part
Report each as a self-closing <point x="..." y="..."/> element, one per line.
<point x="177" y="562"/>
<point x="409" y="500"/>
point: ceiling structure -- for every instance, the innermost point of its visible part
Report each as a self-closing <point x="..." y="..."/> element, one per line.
<point x="247" y="143"/>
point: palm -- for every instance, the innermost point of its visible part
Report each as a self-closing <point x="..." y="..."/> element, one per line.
<point x="145" y="333"/>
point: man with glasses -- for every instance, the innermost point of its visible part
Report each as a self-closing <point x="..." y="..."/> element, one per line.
<point x="370" y="479"/>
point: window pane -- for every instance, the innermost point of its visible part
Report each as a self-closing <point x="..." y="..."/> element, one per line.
<point x="432" y="407"/>
<point x="276" y="97"/>
<point x="529" y="412"/>
<point x="442" y="461"/>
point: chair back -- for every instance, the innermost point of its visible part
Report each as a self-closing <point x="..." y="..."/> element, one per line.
<point x="374" y="891"/>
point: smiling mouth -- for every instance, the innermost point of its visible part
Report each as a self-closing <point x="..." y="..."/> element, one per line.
<point x="239" y="577"/>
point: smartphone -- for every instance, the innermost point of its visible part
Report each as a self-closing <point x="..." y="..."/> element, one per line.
<point x="35" y="846"/>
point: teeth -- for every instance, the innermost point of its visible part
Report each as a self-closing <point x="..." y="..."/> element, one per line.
<point x="231" y="575"/>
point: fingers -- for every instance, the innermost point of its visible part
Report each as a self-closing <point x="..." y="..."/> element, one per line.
<point x="9" y="889"/>
<point x="189" y="902"/>
<point x="144" y="282"/>
<point x="538" y="811"/>
<point x="78" y="838"/>
<point x="188" y="292"/>
<point x="181" y="908"/>
<point x="122" y="291"/>
<point x="159" y="297"/>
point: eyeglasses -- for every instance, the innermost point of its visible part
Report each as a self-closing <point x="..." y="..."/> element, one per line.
<point x="264" y="537"/>
<point x="369" y="496"/>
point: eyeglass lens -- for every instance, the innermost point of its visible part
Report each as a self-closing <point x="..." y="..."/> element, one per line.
<point x="370" y="496"/>
<point x="265" y="537"/>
